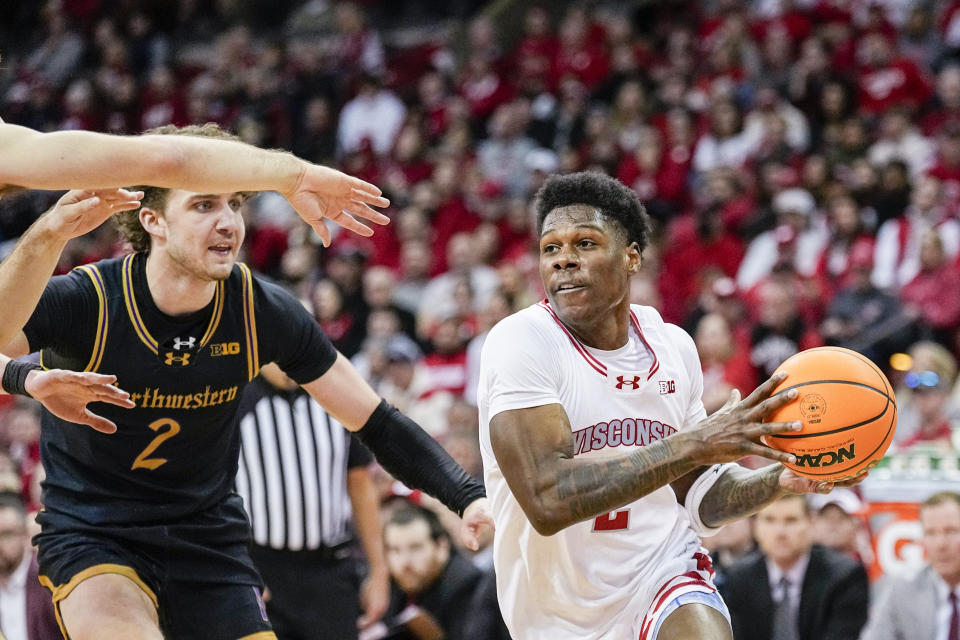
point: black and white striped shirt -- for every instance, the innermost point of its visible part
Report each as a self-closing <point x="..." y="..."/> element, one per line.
<point x="293" y="469"/>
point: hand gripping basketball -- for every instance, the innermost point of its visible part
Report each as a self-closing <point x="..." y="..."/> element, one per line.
<point x="735" y="431"/>
<point x="848" y="410"/>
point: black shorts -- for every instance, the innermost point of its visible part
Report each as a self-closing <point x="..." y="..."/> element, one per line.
<point x="197" y="571"/>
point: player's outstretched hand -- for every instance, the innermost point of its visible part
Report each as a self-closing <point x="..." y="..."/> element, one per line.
<point x="66" y="395"/>
<point x="374" y="598"/>
<point x="477" y="524"/>
<point x="322" y="192"/>
<point x="79" y="212"/>
<point x="734" y="431"/>
<point x="798" y="484"/>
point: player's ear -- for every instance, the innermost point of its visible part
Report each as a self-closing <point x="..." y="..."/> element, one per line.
<point x="633" y="258"/>
<point x="152" y="221"/>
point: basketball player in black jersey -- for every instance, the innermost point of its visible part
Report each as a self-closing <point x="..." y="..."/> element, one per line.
<point x="141" y="534"/>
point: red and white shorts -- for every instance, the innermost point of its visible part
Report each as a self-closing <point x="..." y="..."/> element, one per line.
<point x="681" y="581"/>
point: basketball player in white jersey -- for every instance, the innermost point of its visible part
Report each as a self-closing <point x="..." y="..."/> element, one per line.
<point x="597" y="448"/>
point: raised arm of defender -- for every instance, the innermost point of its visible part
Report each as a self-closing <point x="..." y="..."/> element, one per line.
<point x="534" y="449"/>
<point x="87" y="160"/>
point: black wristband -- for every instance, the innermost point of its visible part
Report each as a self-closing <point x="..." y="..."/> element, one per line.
<point x="15" y="377"/>
<point x="417" y="460"/>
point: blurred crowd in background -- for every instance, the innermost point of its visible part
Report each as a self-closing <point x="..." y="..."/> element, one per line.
<point x="800" y="160"/>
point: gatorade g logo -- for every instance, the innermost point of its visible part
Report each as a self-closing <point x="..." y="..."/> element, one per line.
<point x="632" y="383"/>
<point x="827" y="458"/>
<point x="813" y="406"/>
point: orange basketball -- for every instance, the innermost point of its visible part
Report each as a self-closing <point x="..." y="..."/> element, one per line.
<point x="848" y="411"/>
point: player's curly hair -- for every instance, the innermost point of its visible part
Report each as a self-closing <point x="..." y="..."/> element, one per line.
<point x="155" y="198"/>
<point x="612" y="198"/>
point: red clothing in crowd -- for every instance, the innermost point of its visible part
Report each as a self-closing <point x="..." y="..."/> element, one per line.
<point x="444" y="372"/>
<point x="936" y="296"/>
<point x="688" y="257"/>
<point x="898" y="83"/>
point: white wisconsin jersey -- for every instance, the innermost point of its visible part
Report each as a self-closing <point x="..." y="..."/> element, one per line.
<point x="594" y="579"/>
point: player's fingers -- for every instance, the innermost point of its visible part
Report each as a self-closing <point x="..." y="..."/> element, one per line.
<point x="112" y="395"/>
<point x="756" y="429"/>
<point x="345" y="220"/>
<point x="765" y="389"/>
<point x="754" y="449"/>
<point x="732" y="401"/>
<point x="322" y="231"/>
<point x="362" y="210"/>
<point x="92" y="379"/>
<point x="771" y="404"/>
<point x="99" y="423"/>
<point x="362" y="186"/>
<point x="373" y="199"/>
<point x="469" y="537"/>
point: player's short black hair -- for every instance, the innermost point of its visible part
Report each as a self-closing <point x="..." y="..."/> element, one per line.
<point x="412" y="512"/>
<point x="615" y="201"/>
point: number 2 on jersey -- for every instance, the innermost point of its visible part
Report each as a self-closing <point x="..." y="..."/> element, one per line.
<point x="142" y="461"/>
<point x="613" y="521"/>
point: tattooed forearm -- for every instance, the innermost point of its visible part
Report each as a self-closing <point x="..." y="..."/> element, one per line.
<point x="587" y="488"/>
<point x="740" y="492"/>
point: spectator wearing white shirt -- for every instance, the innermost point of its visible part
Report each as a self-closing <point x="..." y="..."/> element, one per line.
<point x="375" y="114"/>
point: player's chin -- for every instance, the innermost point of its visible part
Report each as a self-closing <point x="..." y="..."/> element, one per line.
<point x="220" y="270"/>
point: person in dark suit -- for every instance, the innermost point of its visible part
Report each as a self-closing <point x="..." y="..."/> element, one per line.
<point x="26" y="610"/>
<point x="792" y="589"/>
<point x="431" y="584"/>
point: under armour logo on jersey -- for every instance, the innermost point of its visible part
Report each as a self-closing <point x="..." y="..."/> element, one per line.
<point x="172" y="359"/>
<point x="667" y="386"/>
<point x="184" y="345"/>
<point x="631" y="383"/>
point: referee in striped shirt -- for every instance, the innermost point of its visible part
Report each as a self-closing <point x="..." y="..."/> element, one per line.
<point x="304" y="479"/>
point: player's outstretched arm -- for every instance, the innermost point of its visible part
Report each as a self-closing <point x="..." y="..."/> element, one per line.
<point x="88" y="160"/>
<point x="25" y="272"/>
<point x="66" y="394"/>
<point x="534" y="448"/>
<point x="404" y="449"/>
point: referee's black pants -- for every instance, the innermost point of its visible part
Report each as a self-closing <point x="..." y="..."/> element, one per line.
<point x="314" y="595"/>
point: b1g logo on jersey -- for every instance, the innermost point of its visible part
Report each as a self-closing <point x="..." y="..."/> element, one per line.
<point x="225" y="349"/>
<point x="667" y="386"/>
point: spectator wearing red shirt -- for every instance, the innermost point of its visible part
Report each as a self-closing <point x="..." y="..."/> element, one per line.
<point x="726" y="366"/>
<point x="946" y="166"/>
<point x="944" y="106"/>
<point x="483" y="87"/>
<point x="886" y="80"/>
<point x="847" y="235"/>
<point x="933" y="294"/>
<point x="581" y="53"/>
<point x="660" y="179"/>
<point x="537" y="48"/>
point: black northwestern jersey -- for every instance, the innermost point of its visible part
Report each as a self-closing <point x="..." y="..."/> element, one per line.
<point x="176" y="452"/>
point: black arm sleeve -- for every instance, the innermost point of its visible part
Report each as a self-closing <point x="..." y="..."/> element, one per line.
<point x="416" y="459"/>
